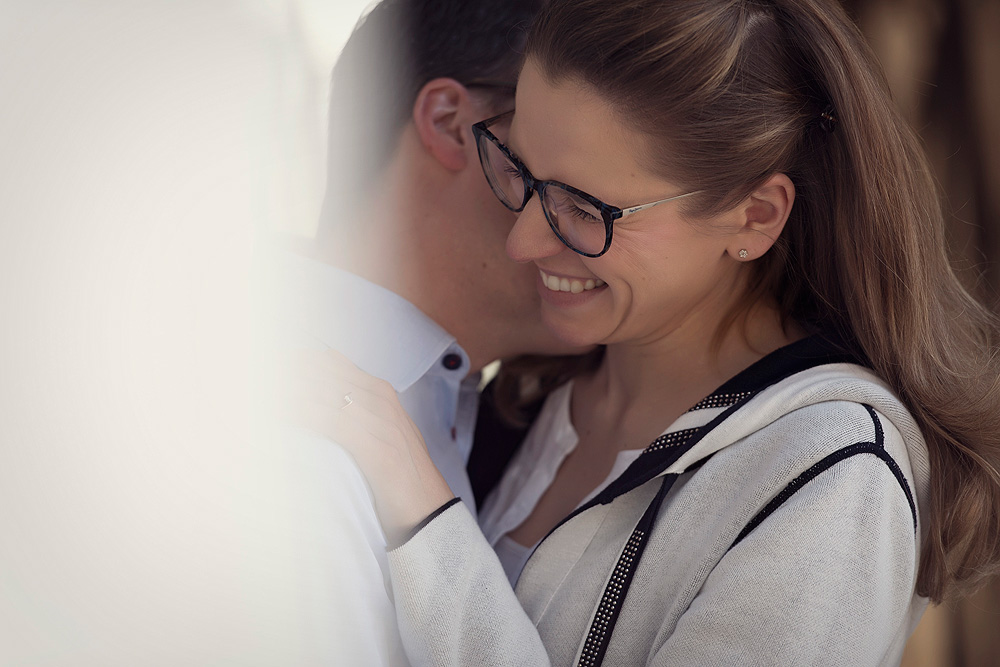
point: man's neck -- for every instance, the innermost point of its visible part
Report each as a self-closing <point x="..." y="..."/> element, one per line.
<point x="400" y="277"/>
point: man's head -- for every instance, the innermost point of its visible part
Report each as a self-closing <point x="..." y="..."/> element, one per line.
<point x="407" y="204"/>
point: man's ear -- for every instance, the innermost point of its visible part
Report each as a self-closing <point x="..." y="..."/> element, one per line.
<point x="443" y="114"/>
<point x="763" y="216"/>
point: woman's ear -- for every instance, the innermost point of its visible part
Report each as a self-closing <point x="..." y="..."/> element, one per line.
<point x="763" y="216"/>
<point x="443" y="114"/>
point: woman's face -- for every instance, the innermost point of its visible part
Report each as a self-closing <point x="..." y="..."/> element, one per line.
<point x="664" y="277"/>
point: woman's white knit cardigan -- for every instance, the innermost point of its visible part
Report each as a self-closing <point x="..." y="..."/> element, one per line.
<point x="790" y="537"/>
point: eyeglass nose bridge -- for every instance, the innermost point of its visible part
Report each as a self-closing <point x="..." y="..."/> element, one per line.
<point x="534" y="186"/>
<point x="530" y="188"/>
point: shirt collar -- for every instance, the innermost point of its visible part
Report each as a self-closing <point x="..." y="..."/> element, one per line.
<point x="378" y="330"/>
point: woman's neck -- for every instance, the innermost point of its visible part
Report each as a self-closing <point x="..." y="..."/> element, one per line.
<point x="639" y="389"/>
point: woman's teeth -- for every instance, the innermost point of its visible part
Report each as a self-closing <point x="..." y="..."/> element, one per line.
<point x="569" y="285"/>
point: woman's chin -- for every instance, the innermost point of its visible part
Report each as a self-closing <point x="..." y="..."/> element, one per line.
<point x="574" y="334"/>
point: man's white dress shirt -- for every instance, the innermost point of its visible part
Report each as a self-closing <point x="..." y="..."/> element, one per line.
<point x="319" y="306"/>
<point x="390" y="338"/>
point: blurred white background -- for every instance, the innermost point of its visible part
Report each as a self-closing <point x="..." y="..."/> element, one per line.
<point x="141" y="146"/>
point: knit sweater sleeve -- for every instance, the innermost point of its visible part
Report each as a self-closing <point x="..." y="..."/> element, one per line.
<point x="823" y="580"/>
<point x="454" y="604"/>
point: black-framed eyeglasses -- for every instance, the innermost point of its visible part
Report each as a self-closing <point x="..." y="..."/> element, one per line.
<point x="581" y="221"/>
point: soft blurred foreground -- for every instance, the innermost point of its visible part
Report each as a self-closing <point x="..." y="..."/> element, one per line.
<point x="143" y="148"/>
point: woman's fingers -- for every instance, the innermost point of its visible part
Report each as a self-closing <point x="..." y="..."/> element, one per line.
<point x="328" y="392"/>
<point x="328" y="376"/>
<point x="333" y="397"/>
<point x="332" y="367"/>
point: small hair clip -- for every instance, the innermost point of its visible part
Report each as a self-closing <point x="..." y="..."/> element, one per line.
<point x="827" y="120"/>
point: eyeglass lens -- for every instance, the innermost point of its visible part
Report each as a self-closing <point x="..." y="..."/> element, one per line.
<point x="577" y="222"/>
<point x="503" y="176"/>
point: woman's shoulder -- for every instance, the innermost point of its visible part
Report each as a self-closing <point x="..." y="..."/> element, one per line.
<point x="815" y="410"/>
<point x="837" y="418"/>
<point x="825" y="409"/>
<point x="824" y="416"/>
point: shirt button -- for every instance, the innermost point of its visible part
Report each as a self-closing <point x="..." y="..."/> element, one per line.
<point x="452" y="362"/>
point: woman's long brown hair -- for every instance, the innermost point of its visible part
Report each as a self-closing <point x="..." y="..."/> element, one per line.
<point x="733" y="91"/>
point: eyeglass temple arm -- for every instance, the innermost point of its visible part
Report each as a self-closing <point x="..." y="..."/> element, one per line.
<point x="641" y="207"/>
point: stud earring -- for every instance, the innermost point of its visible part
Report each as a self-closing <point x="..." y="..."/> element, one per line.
<point x="743" y="253"/>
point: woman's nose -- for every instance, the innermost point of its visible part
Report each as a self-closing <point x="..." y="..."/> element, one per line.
<point x="531" y="238"/>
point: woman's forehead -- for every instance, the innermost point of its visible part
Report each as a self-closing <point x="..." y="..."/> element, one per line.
<point x="565" y="131"/>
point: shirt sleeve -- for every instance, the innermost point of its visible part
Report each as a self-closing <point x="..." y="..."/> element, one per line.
<point x="454" y="604"/>
<point x="824" y="580"/>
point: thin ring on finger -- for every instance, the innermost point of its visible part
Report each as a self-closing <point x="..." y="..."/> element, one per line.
<point x="347" y="401"/>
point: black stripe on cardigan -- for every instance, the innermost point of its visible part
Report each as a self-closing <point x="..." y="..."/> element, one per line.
<point x="816" y="350"/>
<point x="877" y="448"/>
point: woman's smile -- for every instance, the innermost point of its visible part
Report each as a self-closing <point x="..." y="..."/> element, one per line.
<point x="563" y="284"/>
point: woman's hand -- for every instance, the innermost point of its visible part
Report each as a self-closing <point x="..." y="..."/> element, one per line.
<point x="362" y="414"/>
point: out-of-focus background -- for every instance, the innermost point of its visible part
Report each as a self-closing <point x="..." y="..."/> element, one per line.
<point x="141" y="144"/>
<point x="942" y="59"/>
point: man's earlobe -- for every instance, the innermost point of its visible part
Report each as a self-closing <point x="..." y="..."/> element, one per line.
<point x="441" y="115"/>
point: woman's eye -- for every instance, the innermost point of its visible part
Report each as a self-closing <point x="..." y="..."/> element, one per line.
<point x="582" y="215"/>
